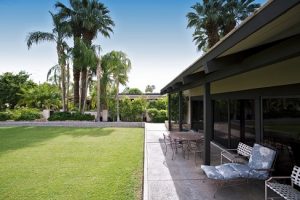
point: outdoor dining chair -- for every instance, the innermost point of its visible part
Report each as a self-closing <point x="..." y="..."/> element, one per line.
<point x="196" y="148"/>
<point x="174" y="145"/>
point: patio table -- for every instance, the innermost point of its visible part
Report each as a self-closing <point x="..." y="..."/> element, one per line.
<point x="187" y="137"/>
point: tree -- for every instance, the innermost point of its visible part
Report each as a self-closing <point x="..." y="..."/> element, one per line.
<point x="120" y="66"/>
<point x="235" y="11"/>
<point x="71" y="16"/>
<point x="98" y="73"/>
<point x="106" y="80"/>
<point x="54" y="75"/>
<point x="213" y="19"/>
<point x="58" y="34"/>
<point x="150" y="88"/>
<point x="42" y="96"/>
<point x="205" y="20"/>
<point x="88" y="18"/>
<point x="134" y="91"/>
<point x="10" y="88"/>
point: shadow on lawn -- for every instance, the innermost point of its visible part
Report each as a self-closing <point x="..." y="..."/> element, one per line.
<point x="13" y="138"/>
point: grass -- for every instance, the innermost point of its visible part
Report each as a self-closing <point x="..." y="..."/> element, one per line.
<point x="70" y="163"/>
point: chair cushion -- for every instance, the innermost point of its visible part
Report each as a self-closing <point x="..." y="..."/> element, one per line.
<point x="230" y="171"/>
<point x="226" y="171"/>
<point x="261" y="157"/>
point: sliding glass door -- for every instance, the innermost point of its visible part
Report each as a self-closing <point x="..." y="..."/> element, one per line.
<point x="234" y="122"/>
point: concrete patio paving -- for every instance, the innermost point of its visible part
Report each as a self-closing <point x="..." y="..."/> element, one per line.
<point x="181" y="179"/>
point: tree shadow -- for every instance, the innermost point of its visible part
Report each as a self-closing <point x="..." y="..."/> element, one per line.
<point x="14" y="138"/>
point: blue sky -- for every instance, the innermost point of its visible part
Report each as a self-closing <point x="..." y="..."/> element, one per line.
<point x="152" y="32"/>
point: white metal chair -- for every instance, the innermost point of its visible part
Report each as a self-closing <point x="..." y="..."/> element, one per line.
<point x="284" y="190"/>
<point x="239" y="155"/>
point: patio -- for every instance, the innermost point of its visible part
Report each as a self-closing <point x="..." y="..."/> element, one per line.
<point x="180" y="179"/>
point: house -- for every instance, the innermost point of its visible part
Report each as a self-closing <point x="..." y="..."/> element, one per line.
<point x="247" y="87"/>
<point x="147" y="96"/>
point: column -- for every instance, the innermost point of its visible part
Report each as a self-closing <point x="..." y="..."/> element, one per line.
<point x="180" y="110"/>
<point x="207" y="124"/>
<point x="169" y="112"/>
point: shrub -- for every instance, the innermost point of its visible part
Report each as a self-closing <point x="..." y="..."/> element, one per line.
<point x="5" y="116"/>
<point x="157" y="116"/>
<point x="25" y="114"/>
<point x="63" y="116"/>
<point x="159" y="104"/>
<point x="132" y="110"/>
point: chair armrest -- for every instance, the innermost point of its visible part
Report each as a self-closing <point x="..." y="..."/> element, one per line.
<point x="228" y="150"/>
<point x="278" y="177"/>
<point x="268" y="170"/>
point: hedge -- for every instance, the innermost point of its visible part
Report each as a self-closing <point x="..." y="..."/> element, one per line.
<point x="63" y="116"/>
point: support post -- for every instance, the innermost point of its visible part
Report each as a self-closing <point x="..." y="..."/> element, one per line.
<point x="180" y="110"/>
<point x="258" y="120"/>
<point x="208" y="124"/>
<point x="169" y="112"/>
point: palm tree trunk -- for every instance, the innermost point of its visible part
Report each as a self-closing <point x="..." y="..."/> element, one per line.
<point x="68" y="85"/>
<point x="103" y="92"/>
<point x="83" y="88"/>
<point x="76" y="77"/>
<point x="62" y="64"/>
<point x="212" y="34"/>
<point x="118" y="103"/>
<point x="98" y="90"/>
<point x="80" y="91"/>
<point x="63" y="87"/>
<point x="76" y="73"/>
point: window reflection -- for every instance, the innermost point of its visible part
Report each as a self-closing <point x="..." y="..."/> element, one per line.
<point x="234" y="122"/>
<point x="281" y="120"/>
<point x="242" y="119"/>
<point x="221" y="135"/>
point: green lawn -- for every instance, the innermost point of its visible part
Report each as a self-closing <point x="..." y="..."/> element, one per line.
<point x="71" y="163"/>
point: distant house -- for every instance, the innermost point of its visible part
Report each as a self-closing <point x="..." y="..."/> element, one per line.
<point x="247" y="87"/>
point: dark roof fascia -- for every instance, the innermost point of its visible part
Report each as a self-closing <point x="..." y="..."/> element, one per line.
<point x="268" y="13"/>
<point x="244" y="61"/>
<point x="144" y="94"/>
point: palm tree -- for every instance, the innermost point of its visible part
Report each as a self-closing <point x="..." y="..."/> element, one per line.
<point x="150" y="88"/>
<point x="235" y="11"/>
<point x="58" y="34"/>
<point x="205" y="20"/>
<point x="71" y="16"/>
<point x="87" y="19"/>
<point x="106" y="79"/>
<point x="215" y="18"/>
<point x="120" y="67"/>
<point x="54" y="76"/>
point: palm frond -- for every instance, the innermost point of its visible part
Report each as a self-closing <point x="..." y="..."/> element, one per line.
<point x="37" y="37"/>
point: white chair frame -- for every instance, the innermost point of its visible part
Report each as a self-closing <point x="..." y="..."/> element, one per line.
<point x="284" y="190"/>
<point x="242" y="152"/>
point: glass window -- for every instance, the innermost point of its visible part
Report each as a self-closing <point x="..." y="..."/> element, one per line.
<point x="197" y="115"/>
<point x="220" y="108"/>
<point x="242" y="119"/>
<point x="281" y="129"/>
